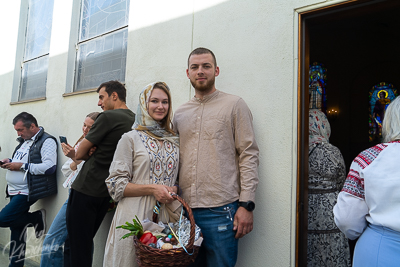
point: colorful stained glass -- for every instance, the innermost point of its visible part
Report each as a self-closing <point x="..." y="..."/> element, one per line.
<point x="317" y="86"/>
<point x="380" y="96"/>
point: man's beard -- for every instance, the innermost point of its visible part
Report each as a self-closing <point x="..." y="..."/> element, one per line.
<point x="203" y="87"/>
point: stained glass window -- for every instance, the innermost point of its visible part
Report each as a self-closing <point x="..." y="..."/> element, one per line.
<point x="380" y="96"/>
<point x="37" y="47"/>
<point x="317" y="86"/>
<point x="102" y="45"/>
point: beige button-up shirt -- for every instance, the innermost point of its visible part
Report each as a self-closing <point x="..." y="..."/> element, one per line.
<point x="218" y="151"/>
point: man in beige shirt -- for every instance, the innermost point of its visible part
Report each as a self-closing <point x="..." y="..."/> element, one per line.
<point x="218" y="162"/>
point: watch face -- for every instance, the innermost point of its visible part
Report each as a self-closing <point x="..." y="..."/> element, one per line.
<point x="251" y="206"/>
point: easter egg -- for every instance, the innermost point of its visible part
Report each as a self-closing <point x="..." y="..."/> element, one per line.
<point x="167" y="246"/>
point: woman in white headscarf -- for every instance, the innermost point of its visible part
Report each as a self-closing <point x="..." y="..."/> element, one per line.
<point x="327" y="246"/>
<point x="143" y="171"/>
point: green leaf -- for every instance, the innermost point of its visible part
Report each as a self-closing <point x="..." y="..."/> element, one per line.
<point x="126" y="235"/>
<point x="135" y="229"/>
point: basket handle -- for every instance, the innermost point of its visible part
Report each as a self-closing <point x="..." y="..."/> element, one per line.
<point x="191" y="218"/>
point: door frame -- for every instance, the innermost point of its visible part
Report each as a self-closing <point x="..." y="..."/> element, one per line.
<point x="304" y="16"/>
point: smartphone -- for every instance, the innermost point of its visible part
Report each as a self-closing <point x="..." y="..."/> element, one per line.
<point x="63" y="139"/>
<point x="1" y="163"/>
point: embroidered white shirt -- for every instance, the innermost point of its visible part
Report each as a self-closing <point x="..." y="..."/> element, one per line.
<point x="371" y="191"/>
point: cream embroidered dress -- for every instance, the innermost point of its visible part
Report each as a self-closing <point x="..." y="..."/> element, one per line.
<point x="139" y="159"/>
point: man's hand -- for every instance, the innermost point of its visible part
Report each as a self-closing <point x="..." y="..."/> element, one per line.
<point x="6" y="160"/>
<point x="243" y="222"/>
<point x="83" y="150"/>
<point x="12" y="166"/>
<point x="92" y="150"/>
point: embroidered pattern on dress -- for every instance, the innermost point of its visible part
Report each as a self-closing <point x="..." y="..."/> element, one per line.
<point x="163" y="160"/>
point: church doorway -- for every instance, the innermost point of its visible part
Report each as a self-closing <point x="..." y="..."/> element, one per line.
<point x="358" y="44"/>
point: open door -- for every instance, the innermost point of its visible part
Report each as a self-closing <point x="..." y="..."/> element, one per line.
<point x="356" y="41"/>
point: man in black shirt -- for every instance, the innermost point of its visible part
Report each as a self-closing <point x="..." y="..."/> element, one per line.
<point x="89" y="199"/>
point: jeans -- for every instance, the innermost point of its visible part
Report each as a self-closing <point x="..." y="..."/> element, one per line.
<point x="16" y="215"/>
<point x="84" y="216"/>
<point x="219" y="247"/>
<point x="52" y="251"/>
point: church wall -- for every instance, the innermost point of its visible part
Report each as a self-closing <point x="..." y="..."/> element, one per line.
<point x="255" y="43"/>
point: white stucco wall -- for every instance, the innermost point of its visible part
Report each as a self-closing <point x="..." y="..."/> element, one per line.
<point x="255" y="43"/>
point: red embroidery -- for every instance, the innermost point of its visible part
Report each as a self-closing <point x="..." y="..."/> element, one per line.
<point x="367" y="156"/>
<point x="354" y="184"/>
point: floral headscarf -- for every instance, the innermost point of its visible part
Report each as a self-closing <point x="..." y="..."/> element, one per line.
<point x="319" y="128"/>
<point x="144" y="122"/>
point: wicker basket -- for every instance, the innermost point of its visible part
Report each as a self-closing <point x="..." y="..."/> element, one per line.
<point x="147" y="256"/>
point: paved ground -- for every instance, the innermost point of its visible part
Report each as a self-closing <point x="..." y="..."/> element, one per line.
<point x="4" y="261"/>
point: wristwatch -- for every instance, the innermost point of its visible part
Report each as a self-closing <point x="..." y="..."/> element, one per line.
<point x="249" y="205"/>
<point x="23" y="167"/>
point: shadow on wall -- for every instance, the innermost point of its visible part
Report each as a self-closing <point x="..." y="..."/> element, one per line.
<point x="241" y="38"/>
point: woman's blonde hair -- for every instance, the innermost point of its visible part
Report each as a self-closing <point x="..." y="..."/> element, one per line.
<point x="391" y="122"/>
<point x="166" y="123"/>
<point x="93" y="116"/>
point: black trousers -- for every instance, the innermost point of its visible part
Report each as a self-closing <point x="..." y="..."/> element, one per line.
<point x="84" y="216"/>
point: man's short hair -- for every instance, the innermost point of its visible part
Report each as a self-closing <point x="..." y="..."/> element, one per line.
<point x="201" y="51"/>
<point x="26" y="118"/>
<point x="114" y="86"/>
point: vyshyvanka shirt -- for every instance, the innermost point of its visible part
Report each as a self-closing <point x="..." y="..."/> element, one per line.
<point x="218" y="150"/>
<point x="371" y="191"/>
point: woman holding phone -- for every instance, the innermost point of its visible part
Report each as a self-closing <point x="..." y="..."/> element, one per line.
<point x="52" y="250"/>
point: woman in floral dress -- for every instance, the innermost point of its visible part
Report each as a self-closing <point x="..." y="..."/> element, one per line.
<point x="327" y="245"/>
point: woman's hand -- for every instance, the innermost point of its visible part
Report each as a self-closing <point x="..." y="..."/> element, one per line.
<point x="73" y="166"/>
<point x="68" y="151"/>
<point x="173" y="189"/>
<point x="162" y="193"/>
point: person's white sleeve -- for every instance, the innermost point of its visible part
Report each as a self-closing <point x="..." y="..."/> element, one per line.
<point x="350" y="213"/>
<point x="49" y="159"/>
<point x="66" y="168"/>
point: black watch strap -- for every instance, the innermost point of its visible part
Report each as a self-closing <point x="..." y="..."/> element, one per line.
<point x="249" y="205"/>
